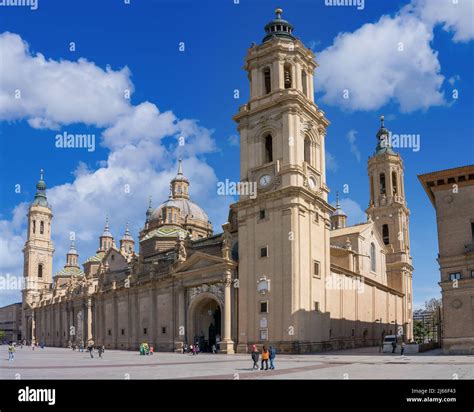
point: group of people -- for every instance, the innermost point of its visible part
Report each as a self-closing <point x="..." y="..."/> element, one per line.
<point x="267" y="355"/>
<point x="12" y="347"/>
<point x="146" y="349"/>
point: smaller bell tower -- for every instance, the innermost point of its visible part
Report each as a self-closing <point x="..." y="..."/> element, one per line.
<point x="39" y="249"/>
<point x="388" y="209"/>
<point x="37" y="257"/>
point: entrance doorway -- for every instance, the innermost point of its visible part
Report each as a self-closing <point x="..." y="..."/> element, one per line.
<point x="206" y="318"/>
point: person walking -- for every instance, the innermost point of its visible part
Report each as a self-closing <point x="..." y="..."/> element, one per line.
<point x="213" y="348"/>
<point x="90" y="348"/>
<point x="100" y="350"/>
<point x="394" y="346"/>
<point x="265" y="356"/>
<point x="272" y="354"/>
<point x="402" y="350"/>
<point x="255" y="355"/>
<point x="11" y="352"/>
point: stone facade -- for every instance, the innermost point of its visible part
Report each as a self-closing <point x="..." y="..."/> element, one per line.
<point x="286" y="270"/>
<point x="451" y="192"/>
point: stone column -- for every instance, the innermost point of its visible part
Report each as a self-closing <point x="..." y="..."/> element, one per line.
<point x="180" y="331"/>
<point x="227" y="345"/>
<point x="89" y="319"/>
<point x="33" y="327"/>
<point x="153" y="321"/>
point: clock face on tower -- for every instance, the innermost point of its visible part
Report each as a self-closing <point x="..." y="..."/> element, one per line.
<point x="265" y="180"/>
<point x="312" y="183"/>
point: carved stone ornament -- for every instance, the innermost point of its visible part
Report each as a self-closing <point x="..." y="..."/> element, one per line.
<point x="217" y="289"/>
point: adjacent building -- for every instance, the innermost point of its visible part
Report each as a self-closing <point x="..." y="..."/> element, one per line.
<point x="451" y="192"/>
<point x="10" y="322"/>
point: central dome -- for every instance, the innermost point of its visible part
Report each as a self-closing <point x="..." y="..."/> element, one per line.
<point x="187" y="209"/>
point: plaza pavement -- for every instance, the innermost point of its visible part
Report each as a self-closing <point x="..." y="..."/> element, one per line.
<point x="363" y="363"/>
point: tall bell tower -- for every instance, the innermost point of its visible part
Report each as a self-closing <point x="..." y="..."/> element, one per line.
<point x="388" y="209"/>
<point x="38" y="255"/>
<point x="284" y="226"/>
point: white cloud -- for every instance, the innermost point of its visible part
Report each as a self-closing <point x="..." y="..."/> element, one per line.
<point x="143" y="147"/>
<point x="331" y="162"/>
<point x="455" y="16"/>
<point x="351" y="138"/>
<point x="53" y="93"/>
<point x="391" y="60"/>
<point x="352" y="209"/>
<point x="354" y="212"/>
<point x="454" y="79"/>
<point x="233" y="140"/>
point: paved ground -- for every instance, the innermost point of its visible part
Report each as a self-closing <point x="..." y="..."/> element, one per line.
<point x="364" y="363"/>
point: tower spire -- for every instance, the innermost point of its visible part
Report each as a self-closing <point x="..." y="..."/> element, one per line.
<point x="40" y="195"/>
<point x="383" y="136"/>
<point x="180" y="184"/>
<point x="278" y="27"/>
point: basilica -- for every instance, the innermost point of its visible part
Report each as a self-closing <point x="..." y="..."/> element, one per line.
<point x="285" y="270"/>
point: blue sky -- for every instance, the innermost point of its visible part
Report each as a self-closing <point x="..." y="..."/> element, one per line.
<point x="399" y="58"/>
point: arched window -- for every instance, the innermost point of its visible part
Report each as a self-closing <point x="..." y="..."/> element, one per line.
<point x="41" y="227"/>
<point x="34" y="226"/>
<point x="394" y="183"/>
<point x="169" y="216"/>
<point x="268" y="149"/>
<point x="307" y="150"/>
<point x="40" y="270"/>
<point x="304" y="82"/>
<point x="385" y="234"/>
<point x="267" y="80"/>
<point x="382" y="184"/>
<point x="372" y="258"/>
<point x="287" y="76"/>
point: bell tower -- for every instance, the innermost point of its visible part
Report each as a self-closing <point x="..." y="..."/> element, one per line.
<point x="388" y="209"/>
<point x="38" y="255"/>
<point x="284" y="226"/>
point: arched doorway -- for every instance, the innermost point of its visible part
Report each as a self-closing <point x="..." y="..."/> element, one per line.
<point x="205" y="323"/>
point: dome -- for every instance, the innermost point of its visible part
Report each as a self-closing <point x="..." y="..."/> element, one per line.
<point x="186" y="207"/>
<point x="278" y="28"/>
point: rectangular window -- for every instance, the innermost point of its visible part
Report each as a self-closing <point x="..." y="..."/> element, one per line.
<point x="34" y="226"/>
<point x="353" y="332"/>
<point x="163" y="329"/>
<point x="41" y="228"/>
<point x="263" y="334"/>
<point x="264" y="306"/>
<point x="264" y="251"/>
<point x="472" y="273"/>
<point x="122" y="331"/>
<point x="144" y="331"/>
<point x="455" y="276"/>
<point x="316" y="269"/>
<point x="472" y="231"/>
<point x="262" y="214"/>
<point x="316" y="306"/>
<point x="109" y="332"/>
